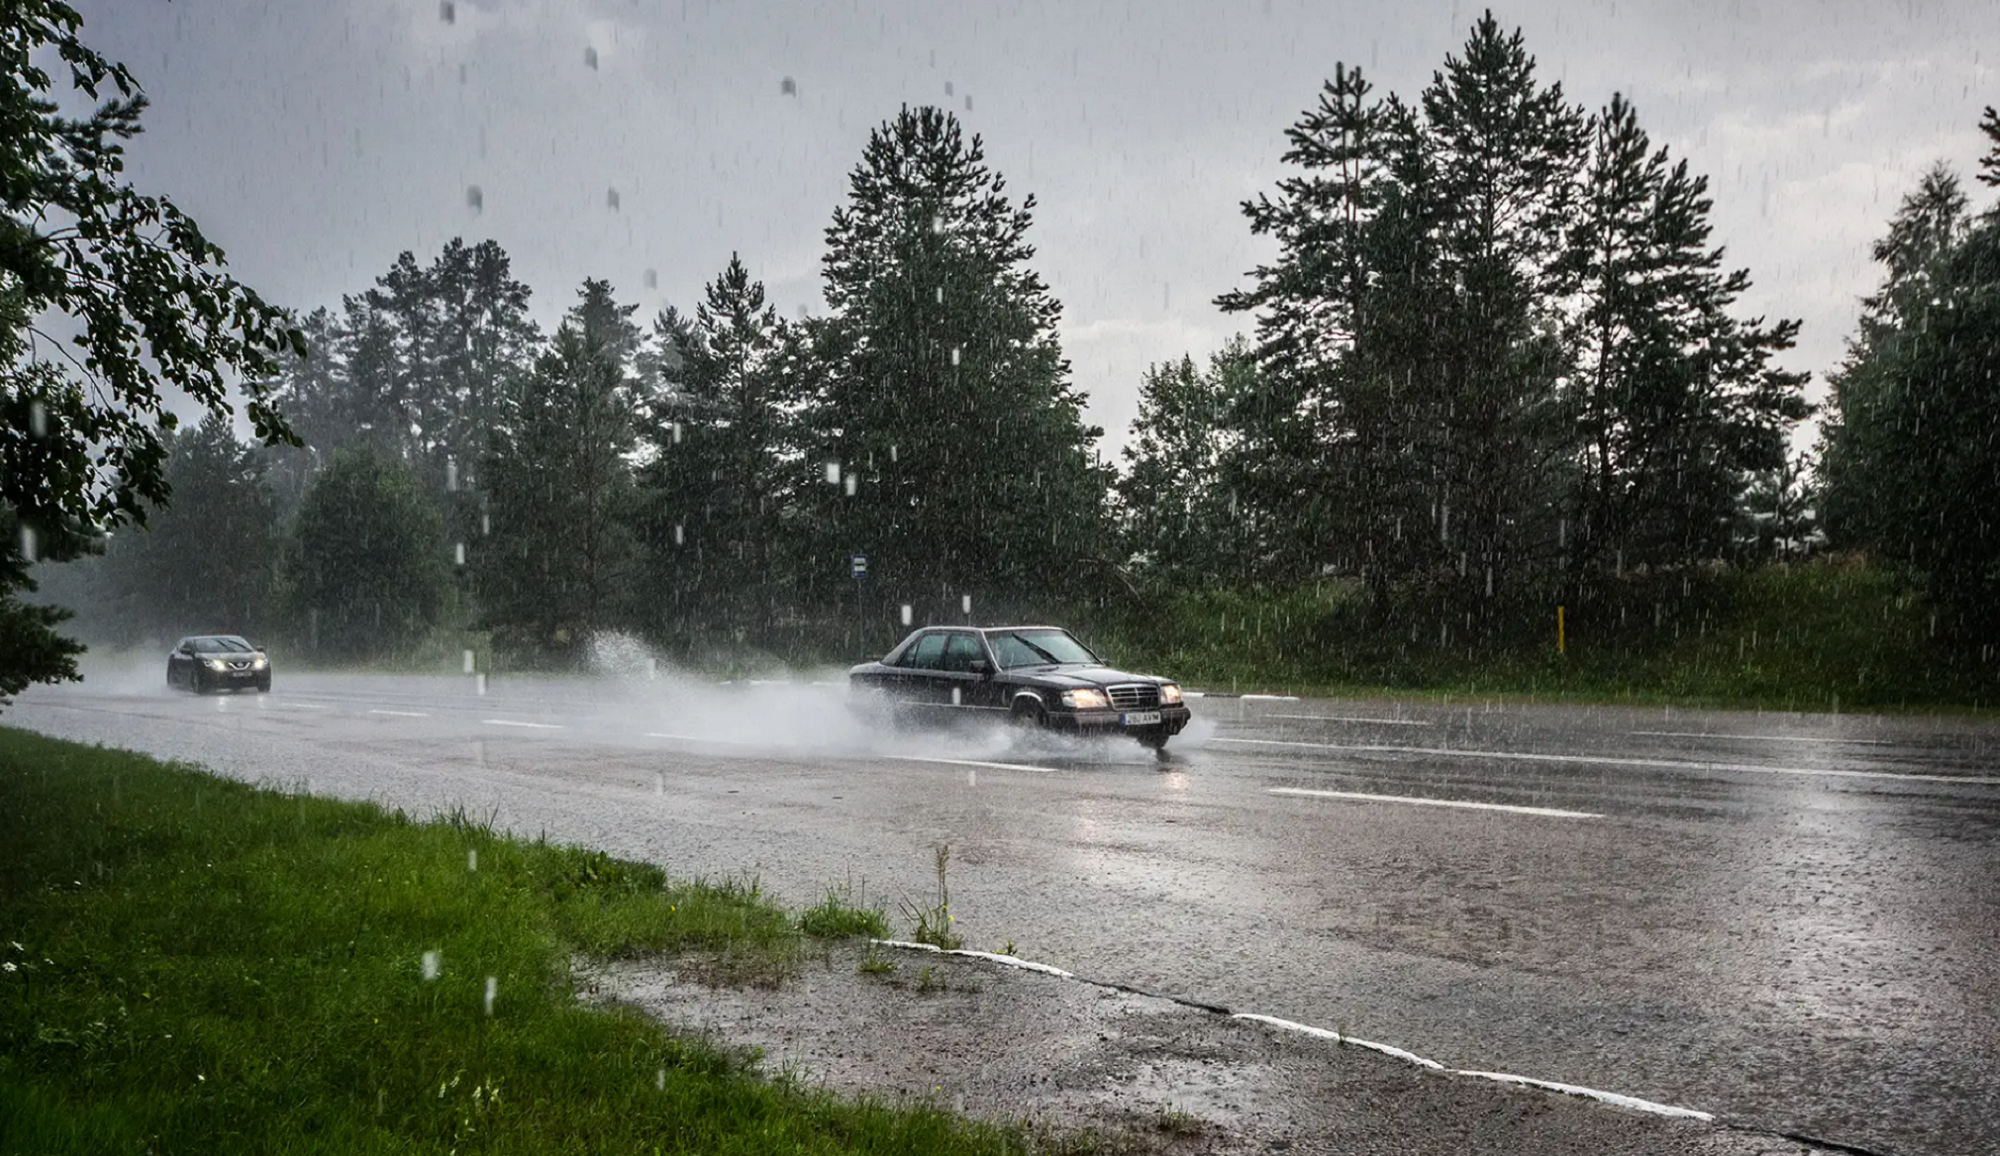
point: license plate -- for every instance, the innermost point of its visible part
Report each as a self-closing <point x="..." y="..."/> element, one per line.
<point x="1142" y="718"/>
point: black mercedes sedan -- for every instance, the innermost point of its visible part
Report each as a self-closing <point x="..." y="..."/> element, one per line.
<point x="1037" y="676"/>
<point x="205" y="662"/>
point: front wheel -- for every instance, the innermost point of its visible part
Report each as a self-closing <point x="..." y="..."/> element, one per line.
<point x="1156" y="741"/>
<point x="1028" y="715"/>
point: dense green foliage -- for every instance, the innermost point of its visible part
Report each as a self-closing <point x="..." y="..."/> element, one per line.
<point x="83" y="419"/>
<point x="1910" y="463"/>
<point x="1498" y="366"/>
<point x="366" y="568"/>
<point x="1496" y="356"/>
<point x="192" y="965"/>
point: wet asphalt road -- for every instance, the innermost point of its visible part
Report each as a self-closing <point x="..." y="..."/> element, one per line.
<point x="1788" y="920"/>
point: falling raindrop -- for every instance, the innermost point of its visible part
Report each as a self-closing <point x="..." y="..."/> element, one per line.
<point x="788" y="87"/>
<point x="680" y="536"/>
<point x="954" y="355"/>
<point x="451" y="475"/>
<point x="611" y="199"/>
<point x="833" y="473"/>
<point x="482" y="690"/>
<point x="38" y="420"/>
<point x="590" y="58"/>
<point x="937" y="224"/>
<point x="492" y="990"/>
<point x="966" y="603"/>
<point x="906" y="614"/>
<point x="485" y="524"/>
<point x="677" y="433"/>
<point x="430" y="965"/>
<point x="474" y="199"/>
<point x="29" y="547"/>
<point x="652" y="278"/>
<point x="460" y="553"/>
<point x="660" y="1079"/>
<point x="850" y="485"/>
<point x="968" y="102"/>
<point x="472" y="859"/>
<point x="892" y="453"/>
<point x="947" y="88"/>
<point x="447" y="12"/>
<point x="468" y="662"/>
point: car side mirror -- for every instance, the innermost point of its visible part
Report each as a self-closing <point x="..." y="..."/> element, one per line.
<point x="187" y="649"/>
<point x="981" y="667"/>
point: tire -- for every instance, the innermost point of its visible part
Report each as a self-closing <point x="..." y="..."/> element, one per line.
<point x="1029" y="715"/>
<point x="264" y="687"/>
<point x="1155" y="741"/>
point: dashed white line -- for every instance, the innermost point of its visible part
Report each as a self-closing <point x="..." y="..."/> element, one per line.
<point x="299" y="705"/>
<point x="402" y="713"/>
<point x="699" y="739"/>
<point x="1756" y="738"/>
<point x="1510" y="808"/>
<point x="1617" y="761"/>
<point x="1387" y="722"/>
<point x="507" y="722"/>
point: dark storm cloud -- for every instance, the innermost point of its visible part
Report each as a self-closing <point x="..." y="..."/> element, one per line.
<point x="315" y="141"/>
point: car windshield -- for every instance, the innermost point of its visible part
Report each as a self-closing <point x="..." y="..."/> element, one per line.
<point x="222" y="646"/>
<point x="1037" y="648"/>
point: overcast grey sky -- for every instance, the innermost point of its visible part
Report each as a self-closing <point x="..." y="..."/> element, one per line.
<point x="316" y="139"/>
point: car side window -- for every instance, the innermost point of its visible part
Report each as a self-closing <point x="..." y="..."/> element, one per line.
<point x="961" y="652"/>
<point x="926" y="654"/>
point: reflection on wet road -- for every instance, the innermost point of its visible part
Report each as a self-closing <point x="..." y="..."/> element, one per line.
<point x="1785" y="919"/>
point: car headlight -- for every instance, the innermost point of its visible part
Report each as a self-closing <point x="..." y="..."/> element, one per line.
<point x="259" y="662"/>
<point x="1170" y="694"/>
<point x="215" y="664"/>
<point x="1085" y="699"/>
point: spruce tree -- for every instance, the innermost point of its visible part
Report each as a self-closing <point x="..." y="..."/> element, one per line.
<point x="956" y="455"/>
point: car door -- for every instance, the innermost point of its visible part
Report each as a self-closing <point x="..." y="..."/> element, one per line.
<point x="961" y="685"/>
<point x="920" y="674"/>
<point x="179" y="666"/>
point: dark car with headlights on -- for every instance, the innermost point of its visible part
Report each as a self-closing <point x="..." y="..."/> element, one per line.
<point x="1038" y="676"/>
<point x="206" y="662"/>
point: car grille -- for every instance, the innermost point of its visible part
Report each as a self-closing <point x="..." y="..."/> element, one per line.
<point x="242" y="665"/>
<point x="1135" y="697"/>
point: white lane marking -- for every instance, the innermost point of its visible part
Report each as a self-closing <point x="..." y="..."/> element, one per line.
<point x="507" y="722"/>
<point x="1618" y="761"/>
<point x="1387" y="722"/>
<point x="1756" y="738"/>
<point x="1621" y="1101"/>
<point x="298" y="705"/>
<point x="1336" y="1037"/>
<point x="402" y="713"/>
<point x="1270" y="698"/>
<point x="989" y="956"/>
<point x="972" y="763"/>
<point x="1511" y="808"/>
<point x="699" y="739"/>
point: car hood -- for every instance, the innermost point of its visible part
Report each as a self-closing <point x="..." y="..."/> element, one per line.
<point x="1072" y="677"/>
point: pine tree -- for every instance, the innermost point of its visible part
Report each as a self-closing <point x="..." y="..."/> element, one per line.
<point x="558" y="483"/>
<point x="1909" y="467"/>
<point x="1184" y="527"/>
<point x="1505" y="151"/>
<point x="723" y="462"/>
<point x="1673" y="400"/>
<point x="957" y="457"/>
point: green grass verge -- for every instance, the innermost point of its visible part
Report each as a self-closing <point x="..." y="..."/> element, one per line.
<point x="1827" y="635"/>
<point x="192" y="965"/>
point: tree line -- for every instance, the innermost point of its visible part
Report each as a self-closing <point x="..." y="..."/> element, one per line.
<point x="1497" y="362"/>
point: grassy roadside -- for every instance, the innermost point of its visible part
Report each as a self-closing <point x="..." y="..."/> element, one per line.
<point x="1830" y="635"/>
<point x="189" y="964"/>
